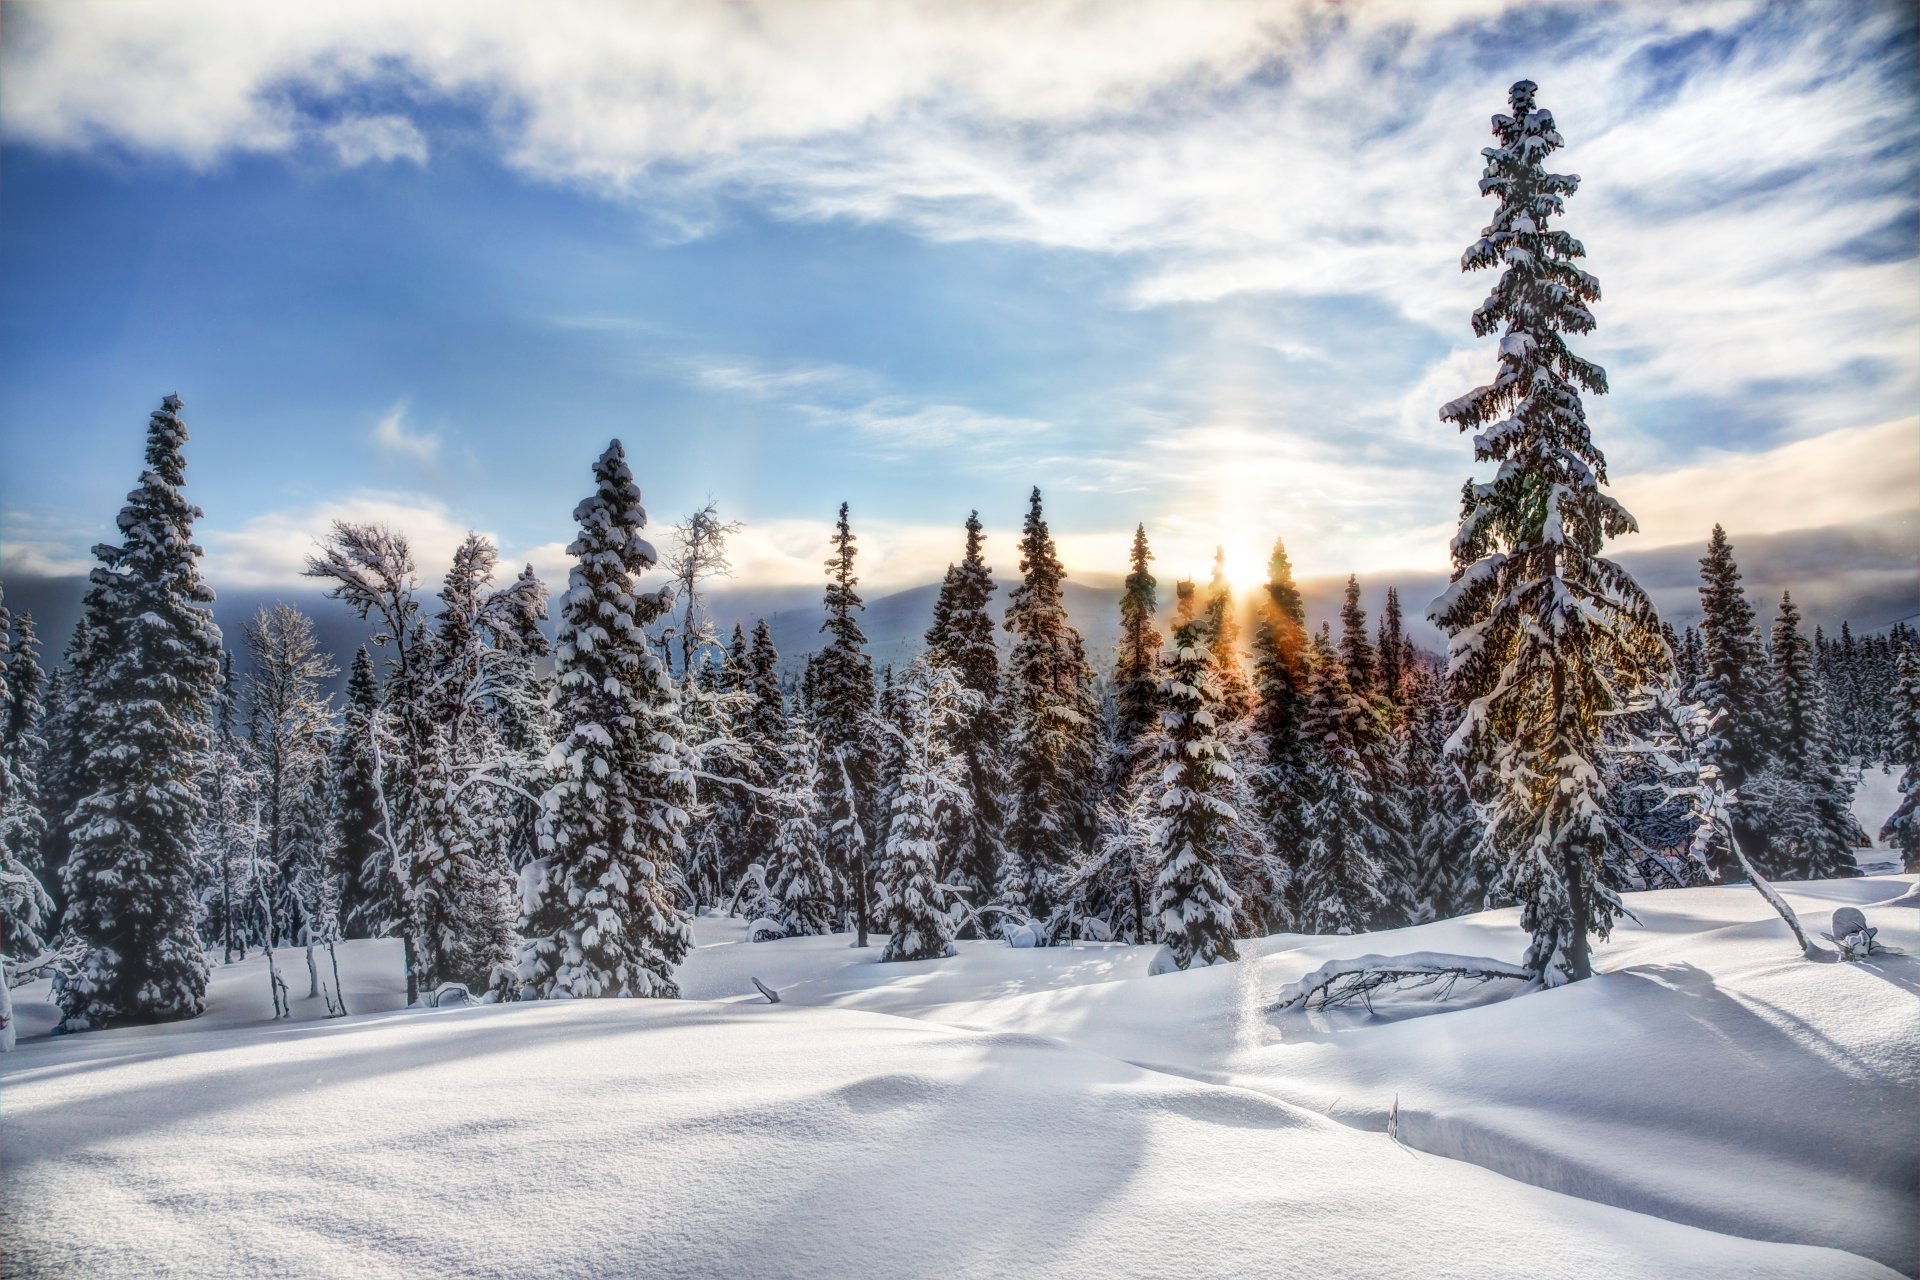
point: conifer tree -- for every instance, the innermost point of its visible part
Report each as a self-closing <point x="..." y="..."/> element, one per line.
<point x="1194" y="907"/>
<point x="597" y="915"/>
<point x="1282" y="656"/>
<point x="1806" y="790"/>
<point x="913" y="906"/>
<point x="1902" y="828"/>
<point x="1223" y="637"/>
<point x="1375" y="752"/>
<point x="369" y="895"/>
<point x="961" y="639"/>
<point x="1052" y="736"/>
<point x="1394" y="650"/>
<point x="227" y="836"/>
<point x="1547" y="636"/>
<point x="1136" y="672"/>
<point x="843" y="700"/>
<point x="21" y="745"/>
<point x="1342" y="884"/>
<point x="286" y="719"/>
<point x="1448" y="879"/>
<point x="765" y="730"/>
<point x="801" y="882"/>
<point x="130" y="875"/>
<point x="1733" y="686"/>
<point x="63" y="773"/>
<point x="1357" y="653"/>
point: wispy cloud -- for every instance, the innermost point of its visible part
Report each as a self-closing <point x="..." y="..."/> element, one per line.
<point x="383" y="139"/>
<point x="393" y="436"/>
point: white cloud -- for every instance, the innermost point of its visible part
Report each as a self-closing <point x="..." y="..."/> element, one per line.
<point x="383" y="139"/>
<point x="390" y="433"/>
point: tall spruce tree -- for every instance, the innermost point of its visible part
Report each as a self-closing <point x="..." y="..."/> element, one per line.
<point x="1223" y="638"/>
<point x="1375" y="752"/>
<point x="23" y="747"/>
<point x="1136" y="669"/>
<point x="598" y="917"/>
<point x="961" y="639"/>
<point x="1282" y="660"/>
<point x="800" y="879"/>
<point x="1806" y="788"/>
<point x="1052" y="736"/>
<point x="1361" y="659"/>
<point x="843" y="699"/>
<point x="1547" y="636"/>
<point x="1902" y="827"/>
<point x="369" y="893"/>
<point x="1448" y="879"/>
<point x="1199" y="833"/>
<point x="1394" y="650"/>
<point x="63" y="770"/>
<point x="1734" y="687"/>
<point x="130" y="876"/>
<point x="914" y="908"/>
<point x="1342" y="885"/>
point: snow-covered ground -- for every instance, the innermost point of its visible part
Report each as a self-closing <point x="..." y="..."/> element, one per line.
<point x="1710" y="1105"/>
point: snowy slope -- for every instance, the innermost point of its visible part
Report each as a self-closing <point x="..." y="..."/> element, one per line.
<point x="988" y="1114"/>
<point x="1874" y="800"/>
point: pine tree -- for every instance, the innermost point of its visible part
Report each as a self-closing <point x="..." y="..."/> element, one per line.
<point x="286" y="720"/>
<point x="1806" y="790"/>
<point x="368" y="893"/>
<point x="1281" y="671"/>
<point x="1902" y="827"/>
<point x="765" y="730"/>
<point x="1733" y="687"/>
<point x="63" y="772"/>
<point x="1342" y="884"/>
<point x="1194" y="907"/>
<point x="1370" y="738"/>
<point x="1052" y="736"/>
<point x="130" y="876"/>
<point x="1136" y="672"/>
<point x="1448" y="879"/>
<point x="1547" y="636"/>
<point x="1223" y="637"/>
<point x="22" y="748"/>
<point x="1394" y="650"/>
<point x="961" y="639"/>
<point x="227" y="837"/>
<point x="912" y="905"/>
<point x="597" y="915"/>
<point x="801" y="882"/>
<point x="1361" y="659"/>
<point x="843" y="700"/>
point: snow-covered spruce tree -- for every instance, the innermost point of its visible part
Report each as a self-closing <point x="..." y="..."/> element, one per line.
<point x="1807" y="790"/>
<point x="913" y="906"/>
<point x="1547" y="636"/>
<point x="842" y="702"/>
<point x="1136" y="668"/>
<point x="1734" y="688"/>
<point x="1194" y="907"/>
<point x="961" y="639"/>
<point x="369" y="898"/>
<point x="800" y="881"/>
<point x="1052" y="736"/>
<point x="1341" y="885"/>
<point x="1448" y="879"/>
<point x="597" y="915"/>
<point x="1280" y="780"/>
<point x="1223" y="637"/>
<point x="1902" y="828"/>
<point x="1376" y="750"/>
<point x="63" y="767"/>
<point x="130" y="875"/>
<point x="227" y="836"/>
<point x="1362" y="660"/>
<point x="1395" y="652"/>
<point x="764" y="725"/>
<point x="21" y="745"/>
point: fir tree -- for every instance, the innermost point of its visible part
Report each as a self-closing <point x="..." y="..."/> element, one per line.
<point x="1194" y="907"/>
<point x="801" y="882"/>
<point x="1448" y="879"/>
<point x="961" y="639"/>
<point x="1394" y="650"/>
<point x="1341" y="882"/>
<point x="1052" y="736"/>
<point x="286" y="720"/>
<point x="1136" y="672"/>
<point x="765" y="730"/>
<point x="1733" y="687"/>
<point x="130" y="876"/>
<point x="22" y="747"/>
<point x="912" y="906"/>
<point x="1281" y="672"/>
<point x="1223" y="638"/>
<point x="1806" y="790"/>
<point x="843" y="699"/>
<point x="1361" y="659"/>
<point x="227" y="835"/>
<point x="597" y="915"/>
<point x="369" y="894"/>
<point x="63" y="772"/>
<point x="1547" y="636"/>
<point x="1902" y="827"/>
<point x="1371" y="741"/>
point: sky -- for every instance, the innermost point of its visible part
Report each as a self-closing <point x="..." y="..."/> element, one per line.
<point x="1189" y="264"/>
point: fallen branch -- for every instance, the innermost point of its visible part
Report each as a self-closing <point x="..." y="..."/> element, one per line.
<point x="1355" y="980"/>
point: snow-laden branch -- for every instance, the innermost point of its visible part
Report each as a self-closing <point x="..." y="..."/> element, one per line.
<point x="1354" y="980"/>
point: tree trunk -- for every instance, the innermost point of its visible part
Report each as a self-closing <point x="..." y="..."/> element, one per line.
<point x="413" y="978"/>
<point x="860" y="896"/>
<point x="1579" y="954"/>
<point x="313" y="974"/>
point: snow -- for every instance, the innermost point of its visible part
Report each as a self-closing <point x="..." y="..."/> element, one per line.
<point x="1874" y="800"/>
<point x="1045" y="1111"/>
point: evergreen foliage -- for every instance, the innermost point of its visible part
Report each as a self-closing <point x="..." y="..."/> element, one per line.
<point x="1547" y="636"/>
<point x="1902" y="827"/>
<point x="598" y="917"/>
<point x="842" y="700"/>
<point x="1282" y="659"/>
<point x="1733" y="687"/>
<point x="1223" y="638"/>
<point x="1806" y="790"/>
<point x="368" y="894"/>
<point x="153" y="667"/>
<point x="801" y="883"/>
<point x="1342" y="885"/>
<point x="912" y="907"/>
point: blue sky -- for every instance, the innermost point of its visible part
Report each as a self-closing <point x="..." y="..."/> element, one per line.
<point x="1193" y="265"/>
